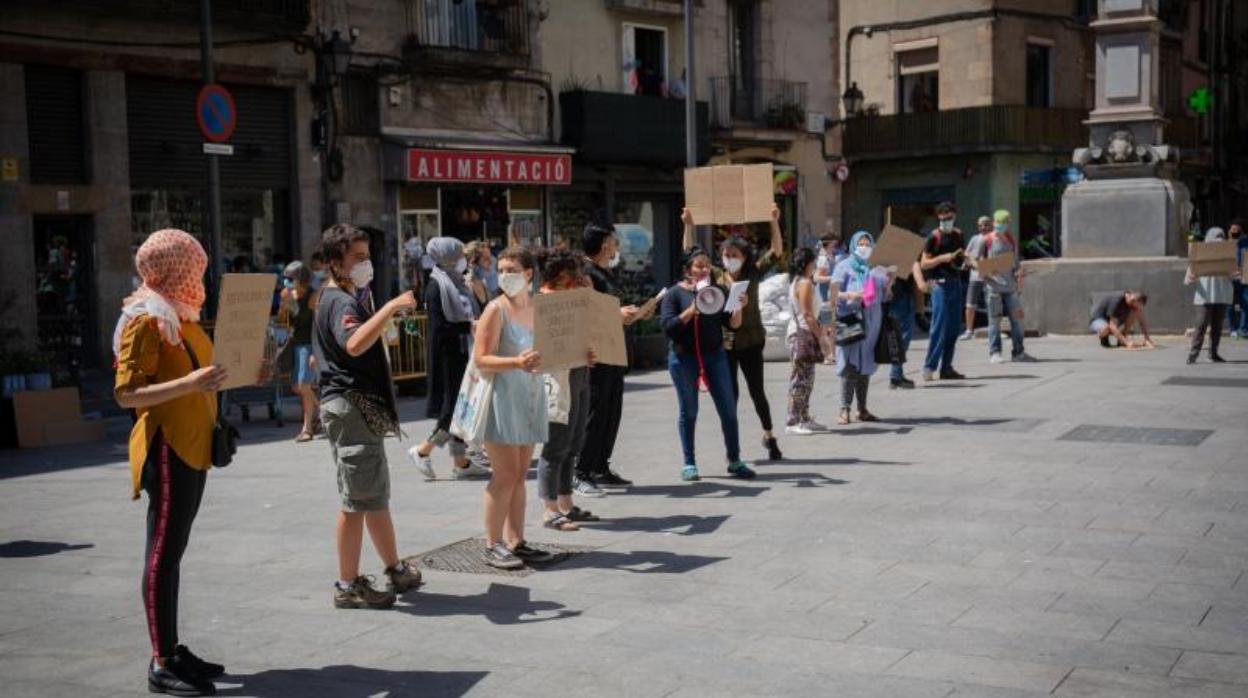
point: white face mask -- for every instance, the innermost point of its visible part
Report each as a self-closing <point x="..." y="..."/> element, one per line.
<point x="362" y="273"/>
<point x="733" y="264"/>
<point x="461" y="265"/>
<point x="863" y="252"/>
<point x="614" y="261"/>
<point x="512" y="283"/>
<point x="946" y="224"/>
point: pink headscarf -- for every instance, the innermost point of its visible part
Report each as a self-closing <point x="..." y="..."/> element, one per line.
<point x="171" y="264"/>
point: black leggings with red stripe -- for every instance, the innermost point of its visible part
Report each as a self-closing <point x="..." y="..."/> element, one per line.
<point x="174" y="491"/>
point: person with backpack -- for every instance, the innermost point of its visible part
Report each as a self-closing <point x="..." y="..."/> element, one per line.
<point x="1001" y="290"/>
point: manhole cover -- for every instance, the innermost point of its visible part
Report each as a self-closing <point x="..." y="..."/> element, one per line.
<point x="1207" y="382"/>
<point x="1136" y="435"/>
<point x="468" y="556"/>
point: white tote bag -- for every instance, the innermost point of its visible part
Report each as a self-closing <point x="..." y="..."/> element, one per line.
<point x="558" y="396"/>
<point x="472" y="406"/>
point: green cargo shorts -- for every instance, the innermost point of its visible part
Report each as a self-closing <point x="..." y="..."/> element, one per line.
<point x="363" y="474"/>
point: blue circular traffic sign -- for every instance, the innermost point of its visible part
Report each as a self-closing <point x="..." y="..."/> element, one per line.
<point x="214" y="110"/>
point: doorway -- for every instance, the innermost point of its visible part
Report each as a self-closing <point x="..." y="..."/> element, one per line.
<point x="64" y="252"/>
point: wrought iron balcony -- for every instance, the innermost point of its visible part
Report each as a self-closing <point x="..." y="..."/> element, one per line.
<point x="493" y="27"/>
<point x="776" y="104"/>
<point x="273" y="15"/>
<point x="976" y="129"/>
<point x="609" y="127"/>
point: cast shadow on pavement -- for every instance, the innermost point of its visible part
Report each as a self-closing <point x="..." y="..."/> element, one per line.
<point x="953" y="386"/>
<point x="868" y="431"/>
<point x="38" y="548"/>
<point x="349" y="681"/>
<point x="638" y="561"/>
<point x="1008" y="377"/>
<point x="501" y="604"/>
<point x="701" y="490"/>
<point x="852" y="462"/>
<point x="679" y="524"/>
<point x="796" y="479"/>
<point x="948" y="421"/>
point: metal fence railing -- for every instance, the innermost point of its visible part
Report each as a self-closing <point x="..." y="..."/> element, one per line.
<point x="494" y="27"/>
<point x="777" y="104"/>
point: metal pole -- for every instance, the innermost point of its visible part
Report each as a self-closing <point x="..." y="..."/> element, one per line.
<point x="691" y="100"/>
<point x="214" y="169"/>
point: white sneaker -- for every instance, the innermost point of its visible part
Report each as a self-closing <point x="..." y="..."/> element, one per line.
<point x="995" y="358"/>
<point x="470" y="471"/>
<point x="799" y="430"/>
<point x="966" y="335"/>
<point x="584" y="488"/>
<point x="423" y="463"/>
<point x="929" y="375"/>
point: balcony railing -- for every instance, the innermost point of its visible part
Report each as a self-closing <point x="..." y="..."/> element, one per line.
<point x="497" y="27"/>
<point x="274" y="15"/>
<point x="779" y="104"/>
<point x="622" y="129"/>
<point x="975" y="129"/>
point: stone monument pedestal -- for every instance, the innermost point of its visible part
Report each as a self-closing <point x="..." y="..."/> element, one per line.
<point x="1058" y="293"/>
<point x="1133" y="217"/>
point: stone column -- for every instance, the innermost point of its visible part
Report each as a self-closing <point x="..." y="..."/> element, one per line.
<point x="18" y="313"/>
<point x="110" y="183"/>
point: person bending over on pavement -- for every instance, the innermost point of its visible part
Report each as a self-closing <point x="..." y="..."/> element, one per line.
<point x="166" y="376"/>
<point x="1213" y="295"/>
<point x="864" y="291"/>
<point x="975" y="285"/>
<point x="517" y="417"/>
<point x="1002" y="289"/>
<point x="942" y="260"/>
<point x="452" y="309"/>
<point x="1114" y="313"/>
<point x="606" y="383"/>
<point x="696" y="357"/>
<point x="358" y="410"/>
<point x="803" y="335"/>
<point x="745" y="345"/>
<point x="563" y="271"/>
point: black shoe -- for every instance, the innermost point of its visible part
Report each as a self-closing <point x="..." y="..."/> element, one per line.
<point x="611" y="479"/>
<point x="773" y="448"/>
<point x="904" y="383"/>
<point x="1105" y="343"/>
<point x="176" y="678"/>
<point x="1217" y="359"/>
<point x="951" y="375"/>
<point x="207" y="670"/>
<point x="530" y="554"/>
<point x="1191" y="358"/>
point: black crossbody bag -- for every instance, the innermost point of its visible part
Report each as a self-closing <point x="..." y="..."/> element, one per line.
<point x="224" y="435"/>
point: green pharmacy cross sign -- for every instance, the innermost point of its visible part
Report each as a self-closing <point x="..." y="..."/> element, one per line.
<point x="1200" y="100"/>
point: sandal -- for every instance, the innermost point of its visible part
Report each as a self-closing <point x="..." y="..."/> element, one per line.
<point x="303" y="437"/>
<point x="843" y="418"/>
<point x="579" y="514"/>
<point x="560" y="522"/>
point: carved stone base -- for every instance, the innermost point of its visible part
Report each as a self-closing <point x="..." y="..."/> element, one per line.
<point x="1138" y="217"/>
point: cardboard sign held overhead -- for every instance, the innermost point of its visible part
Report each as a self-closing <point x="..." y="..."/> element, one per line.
<point x="729" y="194"/>
<point x="242" y="326"/>
<point x="1212" y="258"/>
<point x="899" y="248"/>
<point x="560" y="333"/>
<point x="995" y="266"/>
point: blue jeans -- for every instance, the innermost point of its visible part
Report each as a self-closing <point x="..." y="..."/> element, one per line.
<point x="902" y="309"/>
<point x="1008" y="305"/>
<point x="684" y="370"/>
<point x="947" y="305"/>
<point x="1237" y="311"/>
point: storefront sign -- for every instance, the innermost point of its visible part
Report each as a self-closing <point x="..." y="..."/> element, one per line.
<point x="492" y="167"/>
<point x="10" y="169"/>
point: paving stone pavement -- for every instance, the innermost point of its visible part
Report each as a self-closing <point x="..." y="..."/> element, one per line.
<point x="960" y="547"/>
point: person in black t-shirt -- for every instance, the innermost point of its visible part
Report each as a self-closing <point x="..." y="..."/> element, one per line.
<point x="606" y="383"/>
<point x="943" y="257"/>
<point x="358" y="410"/>
<point x="1114" y="313"/>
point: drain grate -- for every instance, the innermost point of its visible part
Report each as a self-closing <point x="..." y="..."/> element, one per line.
<point x="1207" y="382"/>
<point x="1136" y="435"/>
<point x="467" y="557"/>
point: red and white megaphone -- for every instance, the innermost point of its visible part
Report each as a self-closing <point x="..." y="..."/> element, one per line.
<point x="709" y="298"/>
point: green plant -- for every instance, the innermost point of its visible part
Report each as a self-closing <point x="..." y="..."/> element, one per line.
<point x="783" y="114"/>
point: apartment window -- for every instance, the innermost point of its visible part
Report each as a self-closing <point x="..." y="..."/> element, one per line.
<point x="1039" y="74"/>
<point x="361" y="114"/>
<point x="645" y="60"/>
<point x="918" y="78"/>
<point x="55" y="125"/>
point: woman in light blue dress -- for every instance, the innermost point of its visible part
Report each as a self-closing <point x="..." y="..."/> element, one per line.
<point x="863" y="289"/>
<point x="517" y="418"/>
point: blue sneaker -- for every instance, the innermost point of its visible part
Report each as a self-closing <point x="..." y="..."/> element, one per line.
<point x="689" y="473"/>
<point x="740" y="469"/>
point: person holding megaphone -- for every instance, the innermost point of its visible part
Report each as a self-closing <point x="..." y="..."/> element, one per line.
<point x="693" y="315"/>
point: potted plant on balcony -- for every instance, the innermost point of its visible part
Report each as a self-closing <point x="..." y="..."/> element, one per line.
<point x="785" y="115"/>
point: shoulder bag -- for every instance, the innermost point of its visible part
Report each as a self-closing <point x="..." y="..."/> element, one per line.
<point x="224" y="435"/>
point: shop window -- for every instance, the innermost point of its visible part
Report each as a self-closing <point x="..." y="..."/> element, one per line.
<point x="645" y="60"/>
<point x="255" y="224"/>
<point x="525" y="206"/>
<point x="570" y="213"/>
<point x="1039" y="74"/>
<point x="647" y="231"/>
<point x="419" y="221"/>
<point x="56" y="131"/>
<point x="918" y="79"/>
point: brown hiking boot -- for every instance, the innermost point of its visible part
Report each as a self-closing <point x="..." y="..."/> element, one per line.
<point x="361" y="594"/>
<point x="402" y="577"/>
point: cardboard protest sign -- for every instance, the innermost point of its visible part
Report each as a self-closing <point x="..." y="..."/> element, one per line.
<point x="994" y="266"/>
<point x="899" y="248"/>
<point x="606" y="330"/>
<point x="1212" y="258"/>
<point x="242" y="326"/>
<point x="560" y="332"/>
<point x="728" y="194"/>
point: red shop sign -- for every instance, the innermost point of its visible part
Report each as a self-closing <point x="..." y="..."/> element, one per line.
<point x="493" y="167"/>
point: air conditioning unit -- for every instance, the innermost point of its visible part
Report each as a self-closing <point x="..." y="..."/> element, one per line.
<point x="816" y="122"/>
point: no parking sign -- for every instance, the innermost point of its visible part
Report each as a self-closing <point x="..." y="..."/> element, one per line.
<point x="215" y="112"/>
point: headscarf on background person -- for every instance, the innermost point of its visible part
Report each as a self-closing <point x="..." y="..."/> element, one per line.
<point x="861" y="267"/>
<point x="458" y="303"/>
<point x="171" y="264"/>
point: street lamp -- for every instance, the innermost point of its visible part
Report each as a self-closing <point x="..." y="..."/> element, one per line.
<point x="336" y="52"/>
<point x="852" y="98"/>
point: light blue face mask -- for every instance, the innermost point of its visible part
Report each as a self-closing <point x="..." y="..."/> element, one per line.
<point x="1000" y="227"/>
